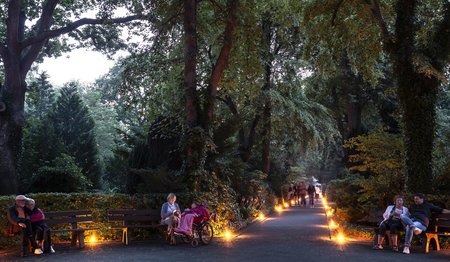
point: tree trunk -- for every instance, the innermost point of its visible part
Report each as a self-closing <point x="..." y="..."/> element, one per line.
<point x="267" y="108"/>
<point x="11" y="125"/>
<point x="418" y="96"/>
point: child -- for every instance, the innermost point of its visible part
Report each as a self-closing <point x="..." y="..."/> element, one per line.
<point x="39" y="226"/>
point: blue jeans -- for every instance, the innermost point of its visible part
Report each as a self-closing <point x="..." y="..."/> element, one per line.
<point x="410" y="225"/>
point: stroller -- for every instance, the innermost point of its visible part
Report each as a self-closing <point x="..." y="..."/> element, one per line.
<point x="202" y="230"/>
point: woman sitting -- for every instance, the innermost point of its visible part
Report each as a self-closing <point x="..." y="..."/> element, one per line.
<point x="170" y="212"/>
<point x="196" y="214"/>
<point x="392" y="222"/>
<point x="40" y="228"/>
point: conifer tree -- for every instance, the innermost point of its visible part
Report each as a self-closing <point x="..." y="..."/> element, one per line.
<point x="74" y="126"/>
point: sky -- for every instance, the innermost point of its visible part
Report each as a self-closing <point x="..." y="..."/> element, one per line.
<point x="81" y="64"/>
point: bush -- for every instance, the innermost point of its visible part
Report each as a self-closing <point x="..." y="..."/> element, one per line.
<point x="221" y="200"/>
<point x="63" y="175"/>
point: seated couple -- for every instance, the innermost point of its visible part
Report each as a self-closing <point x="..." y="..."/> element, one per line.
<point x="415" y="220"/>
<point x="182" y="223"/>
<point x="24" y="215"/>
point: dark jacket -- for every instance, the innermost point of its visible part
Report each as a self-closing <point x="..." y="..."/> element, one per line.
<point x="13" y="215"/>
<point x="422" y="212"/>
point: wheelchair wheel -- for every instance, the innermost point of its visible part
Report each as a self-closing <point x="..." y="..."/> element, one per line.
<point x="194" y="242"/>
<point x="206" y="234"/>
<point x="185" y="239"/>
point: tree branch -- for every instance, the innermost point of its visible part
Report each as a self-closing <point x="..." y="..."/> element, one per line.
<point x="388" y="38"/>
<point x="84" y="21"/>
<point x="222" y="60"/>
<point x="12" y="26"/>
<point x="439" y="48"/>
<point x="338" y="6"/>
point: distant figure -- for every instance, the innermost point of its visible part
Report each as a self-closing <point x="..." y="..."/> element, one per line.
<point x="312" y="193"/>
<point x="419" y="219"/>
<point x="40" y="228"/>
<point x="18" y="217"/>
<point x="302" y="190"/>
<point x="392" y="221"/>
<point x="170" y="212"/>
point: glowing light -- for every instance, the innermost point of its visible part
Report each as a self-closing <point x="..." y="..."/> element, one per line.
<point x="340" y="238"/>
<point x="93" y="239"/>
<point x="286" y="205"/>
<point x="228" y="235"/>
<point x="329" y="213"/>
<point x="332" y="224"/>
<point x="279" y="208"/>
<point x="292" y="202"/>
<point x="261" y="216"/>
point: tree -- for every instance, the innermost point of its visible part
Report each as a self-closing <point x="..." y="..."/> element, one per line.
<point x="23" y="44"/>
<point x="75" y="127"/>
<point x="418" y="45"/>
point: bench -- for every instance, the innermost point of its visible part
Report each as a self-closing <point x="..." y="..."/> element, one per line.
<point x="70" y="221"/>
<point x="128" y="219"/>
<point x="439" y="226"/>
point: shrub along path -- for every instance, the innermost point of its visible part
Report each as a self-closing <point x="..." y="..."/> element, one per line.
<point x="294" y="235"/>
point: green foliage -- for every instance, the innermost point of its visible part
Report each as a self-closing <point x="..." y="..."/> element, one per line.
<point x="75" y="127"/>
<point x="62" y="175"/>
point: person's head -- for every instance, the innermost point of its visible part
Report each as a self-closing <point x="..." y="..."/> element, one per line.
<point x="419" y="198"/>
<point x="171" y="198"/>
<point x="194" y="205"/>
<point x="30" y="204"/>
<point x="20" y="200"/>
<point x="398" y="200"/>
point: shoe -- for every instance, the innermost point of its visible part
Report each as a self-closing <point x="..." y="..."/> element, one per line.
<point x="417" y="231"/>
<point x="377" y="247"/>
<point x="38" y="251"/>
<point x="406" y="250"/>
<point x="395" y="248"/>
<point x="52" y="251"/>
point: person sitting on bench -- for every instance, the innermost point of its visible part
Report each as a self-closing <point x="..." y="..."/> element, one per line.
<point x="392" y="222"/>
<point x="419" y="219"/>
<point x="18" y="217"/>
<point x="40" y="228"/>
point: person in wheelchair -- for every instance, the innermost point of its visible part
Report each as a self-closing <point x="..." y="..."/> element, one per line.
<point x="196" y="215"/>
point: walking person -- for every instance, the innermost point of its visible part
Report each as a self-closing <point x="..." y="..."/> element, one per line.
<point x="419" y="219"/>
<point x="311" y="193"/>
<point x="303" y="192"/>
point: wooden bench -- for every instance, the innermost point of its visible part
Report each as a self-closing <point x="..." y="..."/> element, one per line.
<point x="129" y="219"/>
<point x="439" y="226"/>
<point x="71" y="221"/>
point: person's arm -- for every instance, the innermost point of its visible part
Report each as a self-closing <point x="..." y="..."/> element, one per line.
<point x="12" y="217"/>
<point x="164" y="210"/>
<point x="388" y="212"/>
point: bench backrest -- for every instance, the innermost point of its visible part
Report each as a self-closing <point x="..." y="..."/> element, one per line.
<point x="68" y="217"/>
<point x="439" y="223"/>
<point x="131" y="216"/>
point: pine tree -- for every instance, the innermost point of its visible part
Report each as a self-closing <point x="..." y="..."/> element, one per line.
<point x="75" y="127"/>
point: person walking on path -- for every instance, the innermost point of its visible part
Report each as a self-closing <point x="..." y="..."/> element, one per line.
<point x="311" y="192"/>
<point x="392" y="222"/>
<point x="419" y="219"/>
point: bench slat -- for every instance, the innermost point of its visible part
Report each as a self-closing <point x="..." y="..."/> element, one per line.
<point x="133" y="218"/>
<point x="69" y="220"/>
<point x="68" y="213"/>
<point x="134" y="212"/>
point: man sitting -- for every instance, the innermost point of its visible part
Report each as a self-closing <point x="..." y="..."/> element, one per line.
<point x="420" y="218"/>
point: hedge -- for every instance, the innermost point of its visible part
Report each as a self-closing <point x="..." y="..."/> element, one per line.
<point x="228" y="213"/>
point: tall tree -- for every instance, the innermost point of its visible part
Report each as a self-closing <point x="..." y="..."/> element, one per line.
<point x="416" y="37"/>
<point x="75" y="127"/>
<point x="199" y="118"/>
<point x="23" y="44"/>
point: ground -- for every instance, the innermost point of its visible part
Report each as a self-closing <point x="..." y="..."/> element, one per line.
<point x="296" y="234"/>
